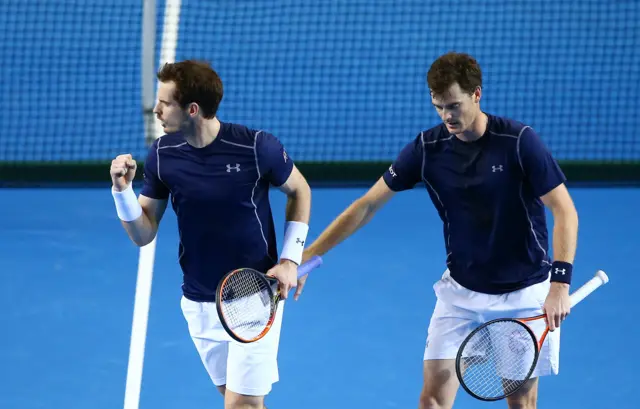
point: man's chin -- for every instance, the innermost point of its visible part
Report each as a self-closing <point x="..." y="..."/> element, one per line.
<point x="454" y="128"/>
<point x="169" y="129"/>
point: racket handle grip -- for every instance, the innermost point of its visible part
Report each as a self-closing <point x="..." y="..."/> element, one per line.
<point x="590" y="286"/>
<point x="305" y="268"/>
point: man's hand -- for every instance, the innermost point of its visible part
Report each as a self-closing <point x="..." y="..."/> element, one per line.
<point x="557" y="306"/>
<point x="286" y="272"/>
<point x="306" y="256"/>
<point x="300" y="286"/>
<point x="123" y="170"/>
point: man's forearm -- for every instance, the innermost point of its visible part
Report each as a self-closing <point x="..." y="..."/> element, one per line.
<point x="352" y="219"/>
<point x="141" y="230"/>
<point x="298" y="207"/>
<point x="297" y="215"/>
<point x="565" y="236"/>
<point x="133" y="217"/>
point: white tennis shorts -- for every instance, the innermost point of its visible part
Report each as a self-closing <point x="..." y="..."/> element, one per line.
<point x="459" y="311"/>
<point x="248" y="369"/>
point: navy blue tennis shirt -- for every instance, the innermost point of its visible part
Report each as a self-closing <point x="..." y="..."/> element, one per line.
<point x="220" y="194"/>
<point x="487" y="193"/>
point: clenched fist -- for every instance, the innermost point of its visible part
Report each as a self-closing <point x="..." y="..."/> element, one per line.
<point x="123" y="169"/>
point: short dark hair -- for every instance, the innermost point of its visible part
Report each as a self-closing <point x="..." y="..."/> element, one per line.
<point x="454" y="67"/>
<point x="196" y="82"/>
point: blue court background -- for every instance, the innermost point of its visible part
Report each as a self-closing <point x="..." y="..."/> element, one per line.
<point x="354" y="340"/>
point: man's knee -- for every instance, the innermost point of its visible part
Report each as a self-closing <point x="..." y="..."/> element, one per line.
<point x="440" y="385"/>
<point x="522" y="404"/>
<point x="429" y="401"/>
<point x="526" y="397"/>
<point x="234" y="400"/>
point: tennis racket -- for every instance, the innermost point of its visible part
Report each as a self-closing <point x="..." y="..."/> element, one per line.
<point x="498" y="357"/>
<point x="247" y="301"/>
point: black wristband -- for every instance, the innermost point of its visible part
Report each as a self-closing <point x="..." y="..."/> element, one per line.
<point x="561" y="272"/>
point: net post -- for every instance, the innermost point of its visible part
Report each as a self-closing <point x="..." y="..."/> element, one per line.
<point x="148" y="69"/>
<point x="170" y="26"/>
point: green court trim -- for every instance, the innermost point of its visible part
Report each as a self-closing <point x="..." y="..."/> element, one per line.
<point x="42" y="173"/>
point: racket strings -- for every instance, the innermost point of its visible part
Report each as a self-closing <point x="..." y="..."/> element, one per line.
<point x="246" y="303"/>
<point x="498" y="359"/>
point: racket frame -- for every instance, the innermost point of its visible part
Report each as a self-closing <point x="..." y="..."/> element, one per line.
<point x="274" y="296"/>
<point x="537" y="347"/>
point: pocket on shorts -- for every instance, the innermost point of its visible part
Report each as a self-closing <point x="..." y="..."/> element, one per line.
<point x="443" y="282"/>
<point x="190" y="308"/>
<point x="540" y="292"/>
<point x="453" y="293"/>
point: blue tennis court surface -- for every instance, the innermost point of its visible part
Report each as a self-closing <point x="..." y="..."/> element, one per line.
<point x="354" y="340"/>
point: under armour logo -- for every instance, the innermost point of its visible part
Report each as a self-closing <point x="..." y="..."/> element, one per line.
<point x="560" y="271"/>
<point x="236" y="168"/>
<point x="495" y="168"/>
<point x="300" y="241"/>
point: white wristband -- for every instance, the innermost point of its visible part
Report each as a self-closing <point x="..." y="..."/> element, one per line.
<point x="295" y="234"/>
<point x="127" y="204"/>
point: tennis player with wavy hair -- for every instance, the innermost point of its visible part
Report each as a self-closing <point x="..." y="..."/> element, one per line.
<point x="490" y="179"/>
<point x="218" y="176"/>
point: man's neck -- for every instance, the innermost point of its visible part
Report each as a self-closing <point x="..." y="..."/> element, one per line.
<point x="204" y="133"/>
<point x="476" y="130"/>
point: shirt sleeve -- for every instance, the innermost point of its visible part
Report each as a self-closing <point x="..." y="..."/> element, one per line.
<point x="152" y="186"/>
<point x="540" y="168"/>
<point x="274" y="161"/>
<point x="406" y="171"/>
